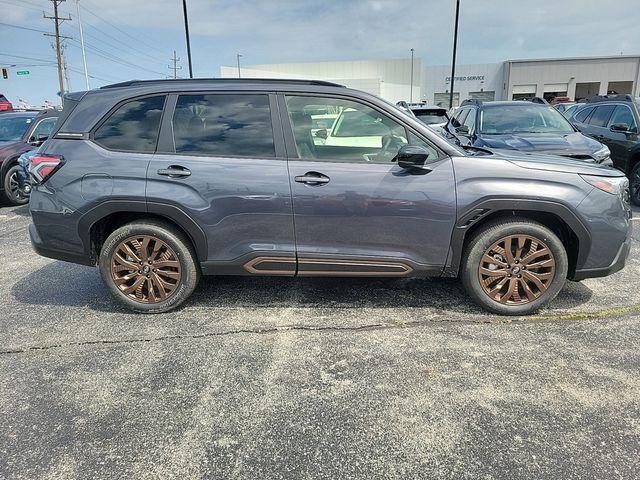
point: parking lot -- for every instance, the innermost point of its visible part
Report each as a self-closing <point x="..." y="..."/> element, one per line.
<point x="314" y="378"/>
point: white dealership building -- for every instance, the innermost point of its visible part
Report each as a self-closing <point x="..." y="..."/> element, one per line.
<point x="391" y="79"/>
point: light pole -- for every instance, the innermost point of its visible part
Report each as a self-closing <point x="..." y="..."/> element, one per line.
<point x="186" y="32"/>
<point x="455" y="46"/>
<point x="411" y="84"/>
<point x="238" y="61"/>
<point x="84" y="56"/>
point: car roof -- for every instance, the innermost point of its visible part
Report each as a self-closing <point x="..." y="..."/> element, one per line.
<point x="20" y="114"/>
<point x="426" y="107"/>
<point x="519" y="103"/>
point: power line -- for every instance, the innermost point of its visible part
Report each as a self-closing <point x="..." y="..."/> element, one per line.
<point x="121" y="30"/>
<point x="108" y="56"/>
<point x="23" y="28"/>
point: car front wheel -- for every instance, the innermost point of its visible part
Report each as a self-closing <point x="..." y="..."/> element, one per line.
<point x="514" y="267"/>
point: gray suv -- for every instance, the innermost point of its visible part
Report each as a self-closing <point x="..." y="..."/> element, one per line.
<point x="159" y="182"/>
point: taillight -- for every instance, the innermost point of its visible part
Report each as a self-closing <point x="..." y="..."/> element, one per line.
<point x="43" y="166"/>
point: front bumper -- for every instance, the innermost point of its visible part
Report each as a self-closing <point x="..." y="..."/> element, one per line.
<point x="617" y="264"/>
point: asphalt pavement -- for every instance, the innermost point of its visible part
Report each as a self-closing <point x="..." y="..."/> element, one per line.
<point x="263" y="378"/>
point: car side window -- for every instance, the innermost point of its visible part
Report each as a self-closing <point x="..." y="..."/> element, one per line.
<point x="236" y="125"/>
<point x="358" y="133"/>
<point x="470" y="121"/>
<point x="133" y="127"/>
<point x="459" y="117"/>
<point x="623" y="114"/>
<point x="601" y="115"/>
<point x="45" y="127"/>
<point x="582" y="115"/>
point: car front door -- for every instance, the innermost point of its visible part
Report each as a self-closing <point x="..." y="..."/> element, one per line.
<point x="621" y="142"/>
<point x="357" y="212"/>
<point x="220" y="163"/>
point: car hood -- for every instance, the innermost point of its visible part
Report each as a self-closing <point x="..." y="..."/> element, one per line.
<point x="572" y="144"/>
<point x="554" y="163"/>
<point x="11" y="147"/>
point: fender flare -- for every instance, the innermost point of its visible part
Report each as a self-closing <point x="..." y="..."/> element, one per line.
<point x="170" y="212"/>
<point x="482" y="209"/>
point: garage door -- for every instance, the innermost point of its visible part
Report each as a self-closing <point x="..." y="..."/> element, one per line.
<point x="442" y="99"/>
<point x="489" y="96"/>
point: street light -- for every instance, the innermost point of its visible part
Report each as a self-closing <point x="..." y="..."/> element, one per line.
<point x="238" y="60"/>
<point x="411" y="84"/>
<point x="455" y="46"/>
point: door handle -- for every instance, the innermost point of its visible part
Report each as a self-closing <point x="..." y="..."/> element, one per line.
<point x="174" y="171"/>
<point x="312" y="178"/>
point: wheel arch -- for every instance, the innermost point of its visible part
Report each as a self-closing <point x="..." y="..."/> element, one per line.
<point x="96" y="225"/>
<point x="555" y="216"/>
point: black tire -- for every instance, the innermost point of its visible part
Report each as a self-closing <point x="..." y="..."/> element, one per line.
<point x="176" y="240"/>
<point x="493" y="232"/>
<point x="634" y="184"/>
<point x="13" y="195"/>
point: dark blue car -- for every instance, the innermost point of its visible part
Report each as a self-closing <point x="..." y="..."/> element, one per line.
<point x="523" y="126"/>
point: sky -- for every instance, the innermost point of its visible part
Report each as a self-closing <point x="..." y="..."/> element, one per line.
<point x="135" y="39"/>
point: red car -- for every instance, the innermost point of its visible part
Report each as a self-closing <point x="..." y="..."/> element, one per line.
<point x="5" y="105"/>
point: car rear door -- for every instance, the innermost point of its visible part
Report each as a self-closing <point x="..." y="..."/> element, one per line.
<point x="356" y="211"/>
<point x="221" y="164"/>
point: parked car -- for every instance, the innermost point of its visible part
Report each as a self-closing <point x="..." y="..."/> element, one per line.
<point x="19" y="133"/>
<point x="563" y="106"/>
<point x="559" y="100"/>
<point x="5" y="105"/>
<point x="613" y="120"/>
<point x="157" y="182"/>
<point x="429" y="114"/>
<point x="570" y="110"/>
<point x="525" y="126"/>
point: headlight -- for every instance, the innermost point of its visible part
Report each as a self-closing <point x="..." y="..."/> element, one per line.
<point x="601" y="154"/>
<point x="612" y="185"/>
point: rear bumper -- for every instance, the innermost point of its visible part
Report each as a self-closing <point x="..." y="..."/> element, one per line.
<point x="38" y="246"/>
<point x="617" y="264"/>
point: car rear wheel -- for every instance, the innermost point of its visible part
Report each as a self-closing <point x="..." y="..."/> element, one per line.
<point x="148" y="266"/>
<point x="634" y="184"/>
<point x="13" y="193"/>
<point x="514" y="267"/>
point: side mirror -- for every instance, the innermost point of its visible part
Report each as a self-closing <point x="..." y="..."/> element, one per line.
<point x="619" y="127"/>
<point x="39" y="140"/>
<point x="412" y="157"/>
<point x="462" y="130"/>
<point x="321" y="133"/>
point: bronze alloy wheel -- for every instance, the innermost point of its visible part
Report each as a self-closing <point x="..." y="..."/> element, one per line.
<point x="145" y="269"/>
<point x="516" y="269"/>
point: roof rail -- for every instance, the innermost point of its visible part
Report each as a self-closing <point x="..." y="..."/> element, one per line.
<point x="611" y="98"/>
<point x="471" y="101"/>
<point x="131" y="83"/>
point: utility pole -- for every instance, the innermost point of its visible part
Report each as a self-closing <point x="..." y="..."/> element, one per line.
<point x="63" y="49"/>
<point x="186" y="32"/>
<point x="238" y="61"/>
<point x="455" y="46"/>
<point x="57" y="22"/>
<point x="411" y="83"/>
<point x="84" y="56"/>
<point x="175" y="59"/>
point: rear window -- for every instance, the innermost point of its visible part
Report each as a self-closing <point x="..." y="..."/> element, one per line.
<point x="431" y="116"/>
<point x="582" y="115"/>
<point x="3" y="98"/>
<point x="224" y="125"/>
<point x="133" y="127"/>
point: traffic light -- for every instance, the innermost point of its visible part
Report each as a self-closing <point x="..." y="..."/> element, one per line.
<point x="5" y="73"/>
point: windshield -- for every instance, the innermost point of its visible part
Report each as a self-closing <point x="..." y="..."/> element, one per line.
<point x="13" y="127"/>
<point x="505" y="119"/>
<point x="430" y="117"/>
